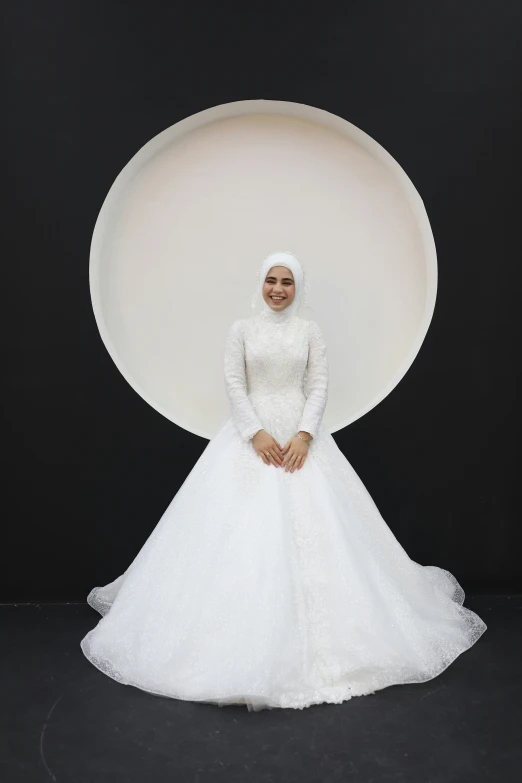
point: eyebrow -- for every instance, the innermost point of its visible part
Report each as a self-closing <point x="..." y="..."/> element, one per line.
<point x="273" y="277"/>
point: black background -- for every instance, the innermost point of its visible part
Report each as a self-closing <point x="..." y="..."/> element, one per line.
<point x="89" y="467"/>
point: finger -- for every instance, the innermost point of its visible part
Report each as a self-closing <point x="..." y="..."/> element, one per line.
<point x="290" y="461"/>
<point x="296" y="464"/>
<point x="277" y="451"/>
<point x="272" y="459"/>
<point x="263" y="457"/>
<point x="276" y="457"/>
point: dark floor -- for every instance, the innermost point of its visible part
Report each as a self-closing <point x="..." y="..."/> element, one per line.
<point x="65" y="721"/>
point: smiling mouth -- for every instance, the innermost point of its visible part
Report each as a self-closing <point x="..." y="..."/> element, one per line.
<point x="278" y="298"/>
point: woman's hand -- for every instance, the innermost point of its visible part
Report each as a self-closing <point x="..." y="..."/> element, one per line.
<point x="268" y="448"/>
<point x="296" y="451"/>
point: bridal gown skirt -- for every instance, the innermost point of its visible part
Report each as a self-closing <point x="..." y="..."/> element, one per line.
<point x="276" y="589"/>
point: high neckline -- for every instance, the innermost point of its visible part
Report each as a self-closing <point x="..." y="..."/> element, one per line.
<point x="276" y="316"/>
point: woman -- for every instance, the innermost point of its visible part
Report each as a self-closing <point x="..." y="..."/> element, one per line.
<point x="271" y="579"/>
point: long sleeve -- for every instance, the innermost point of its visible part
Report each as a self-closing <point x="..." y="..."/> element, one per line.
<point x="241" y="408"/>
<point x="316" y="382"/>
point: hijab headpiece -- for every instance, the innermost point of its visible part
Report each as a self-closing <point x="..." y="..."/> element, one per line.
<point x="287" y="259"/>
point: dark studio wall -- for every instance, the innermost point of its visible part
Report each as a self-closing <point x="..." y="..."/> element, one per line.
<point x="89" y="467"/>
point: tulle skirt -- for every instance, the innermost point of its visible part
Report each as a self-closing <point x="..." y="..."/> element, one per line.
<point x="276" y="589"/>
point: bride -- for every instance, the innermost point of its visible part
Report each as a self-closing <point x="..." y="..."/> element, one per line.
<point x="271" y="579"/>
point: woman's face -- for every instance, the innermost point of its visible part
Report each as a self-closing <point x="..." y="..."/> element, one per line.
<point x="279" y="288"/>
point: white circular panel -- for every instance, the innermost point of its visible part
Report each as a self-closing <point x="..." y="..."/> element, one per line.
<point x="188" y="221"/>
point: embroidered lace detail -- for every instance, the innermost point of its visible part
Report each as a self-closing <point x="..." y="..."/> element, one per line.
<point x="276" y="375"/>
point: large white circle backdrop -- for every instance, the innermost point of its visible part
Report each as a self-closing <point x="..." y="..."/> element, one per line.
<point x="188" y="221"/>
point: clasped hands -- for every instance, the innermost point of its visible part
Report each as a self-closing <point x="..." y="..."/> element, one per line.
<point x="291" y="456"/>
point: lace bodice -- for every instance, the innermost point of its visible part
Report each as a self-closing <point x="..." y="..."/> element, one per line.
<point x="276" y="375"/>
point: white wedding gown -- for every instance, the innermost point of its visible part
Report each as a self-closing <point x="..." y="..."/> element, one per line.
<point x="272" y="588"/>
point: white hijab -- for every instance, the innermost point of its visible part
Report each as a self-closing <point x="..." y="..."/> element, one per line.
<point x="290" y="262"/>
